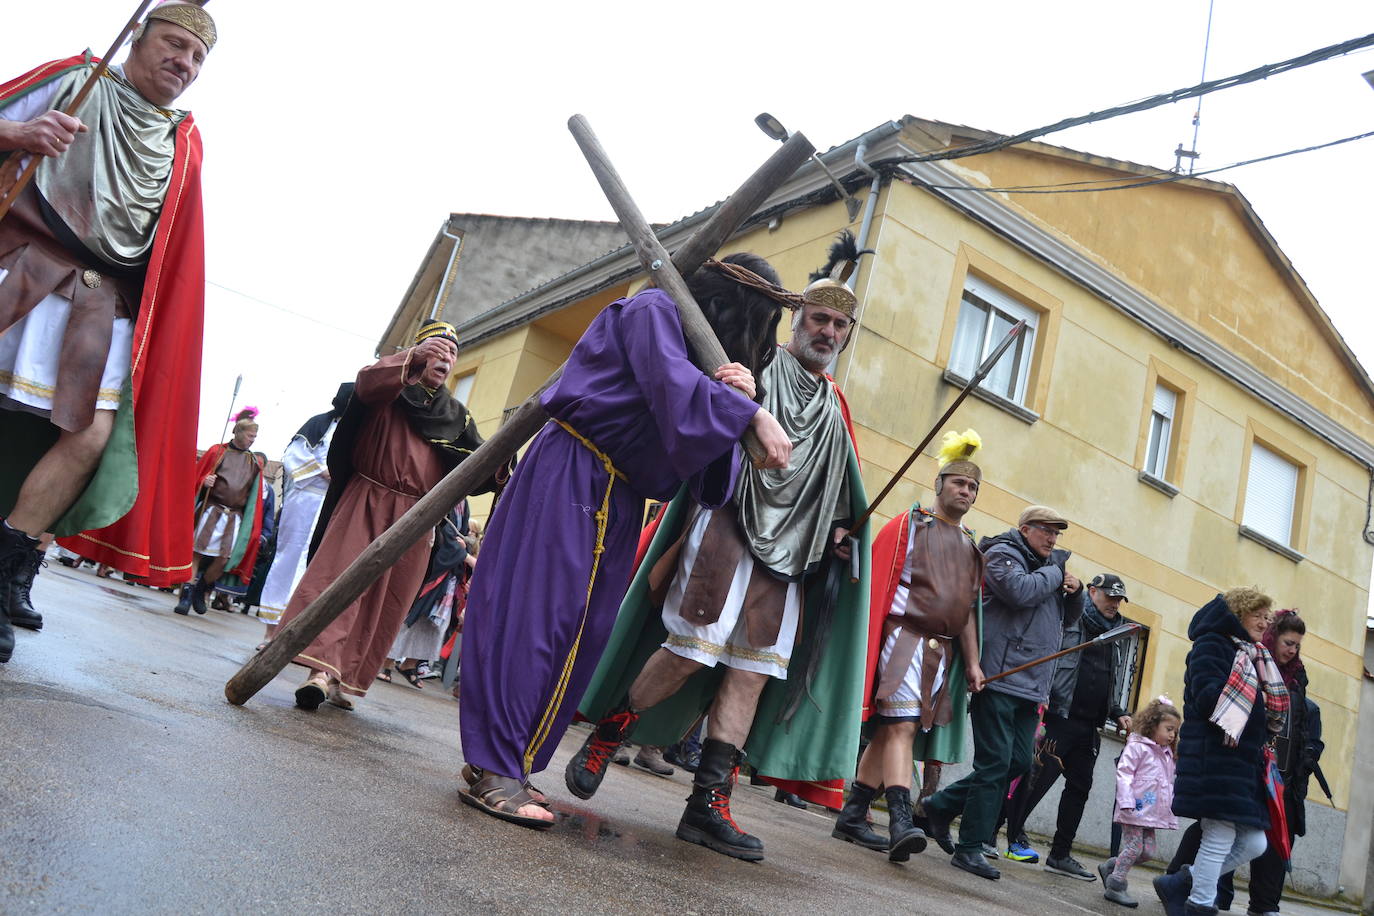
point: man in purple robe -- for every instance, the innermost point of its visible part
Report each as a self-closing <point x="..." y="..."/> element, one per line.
<point x="632" y="419"/>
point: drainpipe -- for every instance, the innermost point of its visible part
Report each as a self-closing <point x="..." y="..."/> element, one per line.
<point x="870" y="206"/>
<point x="441" y="294"/>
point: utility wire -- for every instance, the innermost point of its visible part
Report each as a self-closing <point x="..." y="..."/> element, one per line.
<point x="282" y="308"/>
<point x="1165" y="177"/>
<point x="1154" y="101"/>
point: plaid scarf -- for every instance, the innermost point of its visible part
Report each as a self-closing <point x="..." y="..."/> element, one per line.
<point x="1253" y="670"/>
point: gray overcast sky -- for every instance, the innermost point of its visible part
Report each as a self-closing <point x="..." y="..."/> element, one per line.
<point x="337" y="139"/>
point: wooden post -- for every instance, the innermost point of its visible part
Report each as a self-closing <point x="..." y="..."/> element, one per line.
<point x="382" y="553"/>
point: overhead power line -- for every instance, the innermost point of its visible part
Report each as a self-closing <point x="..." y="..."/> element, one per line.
<point x="1135" y="180"/>
<point x="1154" y="101"/>
<point x="293" y="312"/>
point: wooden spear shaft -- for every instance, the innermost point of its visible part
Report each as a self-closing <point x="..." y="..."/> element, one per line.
<point x="973" y="383"/>
<point x="382" y="553"/>
<point x="14" y="186"/>
<point x="1112" y="634"/>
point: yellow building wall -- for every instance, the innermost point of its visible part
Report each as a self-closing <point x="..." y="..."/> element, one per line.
<point x="1198" y="253"/>
<point x="1081" y="455"/>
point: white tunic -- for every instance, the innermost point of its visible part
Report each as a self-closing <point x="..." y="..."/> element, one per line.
<point x="305" y="467"/>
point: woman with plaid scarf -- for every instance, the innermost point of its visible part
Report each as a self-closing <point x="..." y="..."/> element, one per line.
<point x="1233" y="700"/>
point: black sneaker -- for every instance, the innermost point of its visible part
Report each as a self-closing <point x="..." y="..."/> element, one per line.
<point x="1069" y="867"/>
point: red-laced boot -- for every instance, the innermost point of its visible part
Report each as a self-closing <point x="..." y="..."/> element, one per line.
<point x="586" y="770"/>
<point x="707" y="820"/>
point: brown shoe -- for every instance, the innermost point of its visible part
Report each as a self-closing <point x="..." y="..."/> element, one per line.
<point x="651" y="759"/>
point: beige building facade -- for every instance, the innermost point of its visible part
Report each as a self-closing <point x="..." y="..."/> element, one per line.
<point x="1179" y="396"/>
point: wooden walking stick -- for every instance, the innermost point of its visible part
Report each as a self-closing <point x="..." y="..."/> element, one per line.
<point x="13" y="181"/>
<point x="378" y="556"/>
<point x="1111" y="635"/>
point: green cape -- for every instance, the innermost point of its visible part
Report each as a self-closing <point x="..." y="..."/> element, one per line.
<point x="818" y="744"/>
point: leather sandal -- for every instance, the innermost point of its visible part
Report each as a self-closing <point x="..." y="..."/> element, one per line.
<point x="412" y="677"/>
<point x="502" y="797"/>
<point x="338" y="698"/>
<point x="471" y="774"/>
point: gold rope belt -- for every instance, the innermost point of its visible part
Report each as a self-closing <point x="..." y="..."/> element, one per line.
<point x="378" y="483"/>
<point x="541" y="732"/>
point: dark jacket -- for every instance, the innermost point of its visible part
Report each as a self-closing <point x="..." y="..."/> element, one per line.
<point x="1214" y="780"/>
<point x="1298" y="748"/>
<point x="1024" y="613"/>
<point x="1084" y="682"/>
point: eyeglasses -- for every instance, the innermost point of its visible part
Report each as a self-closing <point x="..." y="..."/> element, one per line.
<point x="1051" y="531"/>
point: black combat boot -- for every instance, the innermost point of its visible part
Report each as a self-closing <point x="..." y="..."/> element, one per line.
<point x="588" y="767"/>
<point x="198" y="590"/>
<point x="707" y="820"/>
<point x="904" y="837"/>
<point x="184" y="601"/>
<point x="852" y="825"/>
<point x="16" y="551"/>
<point x="20" y="561"/>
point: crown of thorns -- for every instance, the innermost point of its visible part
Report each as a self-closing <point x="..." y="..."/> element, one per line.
<point x="746" y="277"/>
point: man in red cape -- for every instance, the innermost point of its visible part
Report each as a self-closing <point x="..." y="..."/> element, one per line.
<point x="102" y="283"/>
<point x="229" y="512"/>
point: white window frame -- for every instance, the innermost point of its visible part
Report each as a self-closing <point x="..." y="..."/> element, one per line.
<point x="988" y="299"/>
<point x="1163" y="411"/>
<point x="1271" y="494"/>
<point x="462" y="388"/>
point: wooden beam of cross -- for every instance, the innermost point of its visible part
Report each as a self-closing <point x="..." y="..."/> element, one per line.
<point x="292" y="638"/>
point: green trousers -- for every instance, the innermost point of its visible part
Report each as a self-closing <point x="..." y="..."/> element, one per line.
<point x="1003" y="734"/>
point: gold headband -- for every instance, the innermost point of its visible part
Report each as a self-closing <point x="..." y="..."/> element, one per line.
<point x="190" y="17"/>
<point x="746" y="277"/>
<point x="440" y="329"/>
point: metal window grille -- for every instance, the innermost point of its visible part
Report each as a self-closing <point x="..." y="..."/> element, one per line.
<point x="1126" y="689"/>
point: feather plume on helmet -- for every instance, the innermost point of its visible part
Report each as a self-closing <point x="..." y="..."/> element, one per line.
<point x="956" y="454"/>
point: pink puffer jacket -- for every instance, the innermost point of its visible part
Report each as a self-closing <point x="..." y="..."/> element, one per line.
<point x="1145" y="785"/>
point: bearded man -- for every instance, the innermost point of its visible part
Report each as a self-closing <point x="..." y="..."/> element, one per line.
<point x="924" y="645"/>
<point x="102" y="283"/>
<point x="730" y="585"/>
<point x="400" y="434"/>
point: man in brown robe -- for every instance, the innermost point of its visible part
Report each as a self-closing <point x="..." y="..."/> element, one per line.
<point x="401" y="433"/>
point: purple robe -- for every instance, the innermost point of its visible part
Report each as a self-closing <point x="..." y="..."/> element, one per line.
<point x="531" y="636"/>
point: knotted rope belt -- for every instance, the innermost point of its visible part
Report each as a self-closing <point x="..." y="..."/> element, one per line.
<point x="541" y="732"/>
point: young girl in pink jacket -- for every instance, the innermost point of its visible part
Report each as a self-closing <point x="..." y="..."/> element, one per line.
<point x="1144" y="793"/>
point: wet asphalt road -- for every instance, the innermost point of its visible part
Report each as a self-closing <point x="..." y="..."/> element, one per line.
<point x="131" y="786"/>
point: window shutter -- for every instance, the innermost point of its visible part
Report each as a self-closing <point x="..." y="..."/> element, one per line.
<point x="1164" y="402"/>
<point x="1271" y="494"/>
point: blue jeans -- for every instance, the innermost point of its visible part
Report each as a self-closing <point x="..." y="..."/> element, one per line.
<point x="1225" y="847"/>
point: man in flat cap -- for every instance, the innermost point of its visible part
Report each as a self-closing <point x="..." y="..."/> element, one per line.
<point x="1028" y="599"/>
<point x="102" y="281"/>
<point x="1082" y="699"/>
<point x="401" y="432"/>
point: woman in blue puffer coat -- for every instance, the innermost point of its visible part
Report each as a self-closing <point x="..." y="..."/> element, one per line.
<point x="1233" y="700"/>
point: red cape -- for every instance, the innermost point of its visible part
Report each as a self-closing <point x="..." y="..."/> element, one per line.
<point x="153" y="541"/>
<point x="209" y="464"/>
<point x="889" y="556"/>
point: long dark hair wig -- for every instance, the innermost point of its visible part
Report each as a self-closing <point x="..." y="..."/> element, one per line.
<point x="744" y="319"/>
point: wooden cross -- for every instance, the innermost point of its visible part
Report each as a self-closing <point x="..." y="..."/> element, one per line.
<point x="667" y="273"/>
